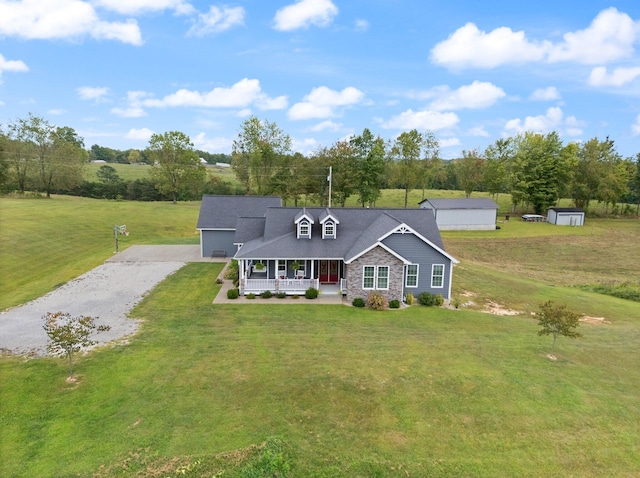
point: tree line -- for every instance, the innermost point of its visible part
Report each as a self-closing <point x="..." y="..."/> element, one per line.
<point x="537" y="170"/>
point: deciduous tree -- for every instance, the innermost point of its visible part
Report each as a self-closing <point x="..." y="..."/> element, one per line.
<point x="176" y="166"/>
<point x="557" y="320"/>
<point x="469" y="170"/>
<point x="68" y="334"/>
<point x="369" y="153"/>
<point x="258" y="152"/>
<point x="405" y="154"/>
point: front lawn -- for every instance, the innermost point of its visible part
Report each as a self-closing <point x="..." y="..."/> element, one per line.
<point x="341" y="391"/>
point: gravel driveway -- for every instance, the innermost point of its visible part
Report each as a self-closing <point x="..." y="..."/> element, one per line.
<point x="108" y="292"/>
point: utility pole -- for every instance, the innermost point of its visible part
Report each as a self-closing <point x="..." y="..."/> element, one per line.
<point x="329" y="179"/>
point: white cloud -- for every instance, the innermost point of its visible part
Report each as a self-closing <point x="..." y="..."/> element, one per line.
<point x="478" y="131"/>
<point x="243" y="113"/>
<point x="242" y="94"/>
<point x="362" y="25"/>
<point x="12" y="65"/>
<point x="449" y="142"/>
<point x="134" y="108"/>
<point x="618" y="77"/>
<point x="57" y="112"/>
<point x="549" y="93"/>
<point x="212" y="145"/>
<point x="421" y="120"/>
<point x="468" y="47"/>
<point x="305" y="146"/>
<point x="142" y="134"/>
<point x="635" y="127"/>
<point x="327" y="125"/>
<point x="552" y="120"/>
<point x="541" y="123"/>
<point x="136" y="7"/>
<point x="477" y="95"/>
<point x="610" y="37"/>
<point x="37" y="19"/>
<point x="217" y="20"/>
<point x="322" y="102"/>
<point x="304" y="13"/>
<point x="96" y="93"/>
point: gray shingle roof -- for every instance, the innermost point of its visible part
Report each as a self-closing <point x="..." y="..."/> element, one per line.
<point x="359" y="229"/>
<point x="461" y="203"/>
<point x="222" y="212"/>
<point x="566" y="209"/>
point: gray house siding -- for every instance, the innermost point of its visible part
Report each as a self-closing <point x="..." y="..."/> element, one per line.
<point x="212" y="240"/>
<point x="375" y="257"/>
<point x="413" y="249"/>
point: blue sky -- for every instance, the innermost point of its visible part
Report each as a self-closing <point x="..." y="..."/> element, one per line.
<point x="471" y="72"/>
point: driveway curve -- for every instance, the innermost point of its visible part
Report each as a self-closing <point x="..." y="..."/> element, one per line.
<point x="107" y="293"/>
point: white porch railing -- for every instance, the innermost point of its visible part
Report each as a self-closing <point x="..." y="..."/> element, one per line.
<point x="289" y="286"/>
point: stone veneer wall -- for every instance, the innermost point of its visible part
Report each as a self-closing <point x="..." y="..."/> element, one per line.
<point x="375" y="257"/>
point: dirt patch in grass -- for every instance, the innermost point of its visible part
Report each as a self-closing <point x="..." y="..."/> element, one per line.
<point x="494" y="308"/>
<point x="594" y="320"/>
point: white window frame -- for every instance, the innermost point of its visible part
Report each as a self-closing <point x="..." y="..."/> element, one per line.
<point x="376" y="278"/>
<point x="282" y="268"/>
<point x="416" y="275"/>
<point x="325" y="229"/>
<point x="385" y="278"/>
<point x="302" y="226"/>
<point x="434" y="276"/>
<point x="364" y="277"/>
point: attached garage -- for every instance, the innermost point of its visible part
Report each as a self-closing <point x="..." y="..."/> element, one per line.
<point x="218" y="219"/>
<point x="565" y="216"/>
<point x="463" y="213"/>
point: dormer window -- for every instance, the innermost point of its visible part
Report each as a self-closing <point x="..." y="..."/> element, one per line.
<point x="304" y="229"/>
<point x="303" y="222"/>
<point x="329" y="230"/>
<point x="329" y="224"/>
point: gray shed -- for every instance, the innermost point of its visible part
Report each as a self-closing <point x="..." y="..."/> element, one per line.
<point x="463" y="213"/>
<point x="565" y="216"/>
<point x="218" y="220"/>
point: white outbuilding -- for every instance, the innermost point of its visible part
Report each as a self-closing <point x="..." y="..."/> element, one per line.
<point x="463" y="213"/>
<point x="565" y="216"/>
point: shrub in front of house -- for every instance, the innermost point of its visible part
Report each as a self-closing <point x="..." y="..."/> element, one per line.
<point x="267" y="294"/>
<point x="394" y="304"/>
<point x="311" y="293"/>
<point x="232" y="272"/>
<point x="250" y="296"/>
<point x="281" y="295"/>
<point x="431" y="299"/>
<point x="377" y="301"/>
<point x="219" y="281"/>
<point x="358" y="302"/>
<point x="233" y="294"/>
<point x="409" y="299"/>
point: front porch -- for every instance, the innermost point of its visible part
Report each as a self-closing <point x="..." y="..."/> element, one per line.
<point x="292" y="277"/>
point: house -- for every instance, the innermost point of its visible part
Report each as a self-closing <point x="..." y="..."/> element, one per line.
<point x="463" y="213"/>
<point x="218" y="218"/>
<point x="565" y="216"/>
<point x="349" y="250"/>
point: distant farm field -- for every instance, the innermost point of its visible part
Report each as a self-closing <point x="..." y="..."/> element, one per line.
<point x="321" y="391"/>
<point x="131" y="172"/>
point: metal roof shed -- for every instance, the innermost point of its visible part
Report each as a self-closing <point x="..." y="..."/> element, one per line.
<point x="463" y="213"/>
<point x="565" y="216"/>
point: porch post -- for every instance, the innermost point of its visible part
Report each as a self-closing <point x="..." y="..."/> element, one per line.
<point x="313" y="275"/>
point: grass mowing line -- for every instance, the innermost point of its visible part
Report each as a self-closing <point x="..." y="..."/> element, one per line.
<point x="439" y="392"/>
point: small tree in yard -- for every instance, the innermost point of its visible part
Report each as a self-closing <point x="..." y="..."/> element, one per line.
<point x="68" y="334"/>
<point x="557" y="320"/>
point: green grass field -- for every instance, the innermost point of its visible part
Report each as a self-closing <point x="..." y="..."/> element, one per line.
<point x="131" y="172"/>
<point x="322" y="391"/>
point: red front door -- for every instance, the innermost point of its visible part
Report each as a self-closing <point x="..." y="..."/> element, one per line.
<point x="328" y="271"/>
